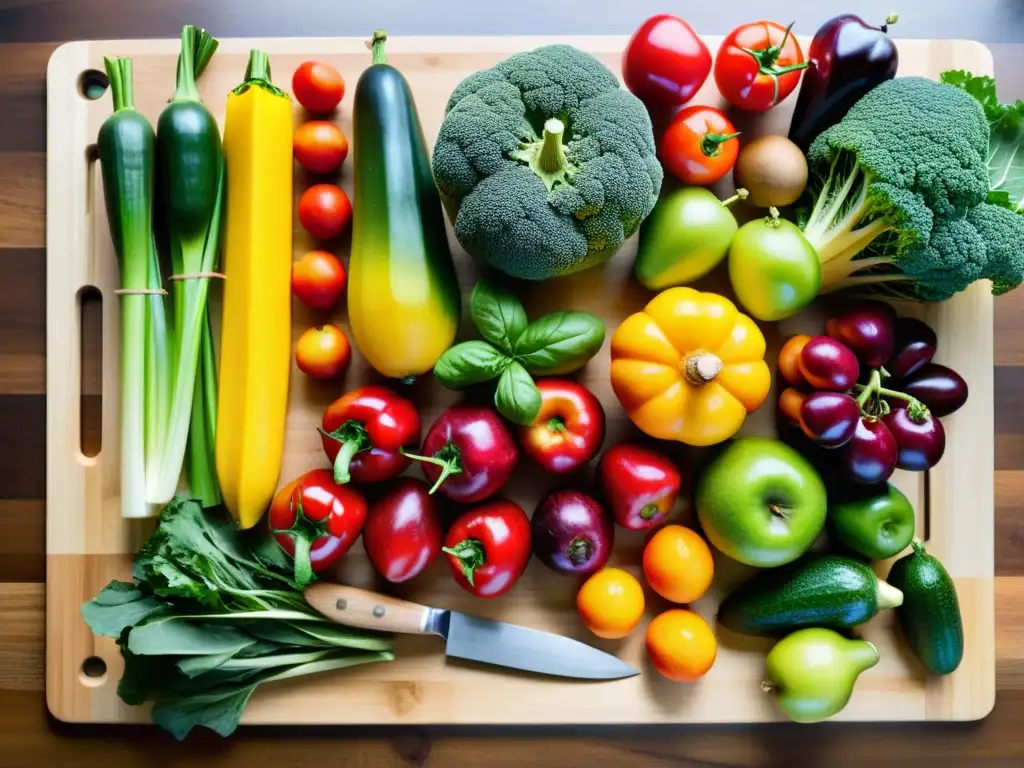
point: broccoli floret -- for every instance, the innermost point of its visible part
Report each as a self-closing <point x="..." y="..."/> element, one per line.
<point x="545" y="165"/>
<point x="897" y="196"/>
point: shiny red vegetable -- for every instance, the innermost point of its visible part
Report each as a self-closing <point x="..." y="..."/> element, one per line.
<point x="403" y="533"/>
<point x="758" y="65"/>
<point x="364" y="431"/>
<point x="488" y="548"/>
<point x="468" y="453"/>
<point x="316" y="521"/>
<point x="665" y="62"/>
<point x="568" y="430"/>
<point x="640" y="486"/>
<point x="699" y="146"/>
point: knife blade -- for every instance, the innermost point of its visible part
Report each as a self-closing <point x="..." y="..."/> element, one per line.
<point x="469" y="637"/>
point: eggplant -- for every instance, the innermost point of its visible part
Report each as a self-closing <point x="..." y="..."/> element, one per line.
<point x="847" y="59"/>
<point x="572" y="533"/>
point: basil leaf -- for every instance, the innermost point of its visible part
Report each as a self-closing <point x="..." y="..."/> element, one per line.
<point x="560" y="342"/>
<point x="517" y="397"/>
<point x="498" y="314"/>
<point x="468" y="363"/>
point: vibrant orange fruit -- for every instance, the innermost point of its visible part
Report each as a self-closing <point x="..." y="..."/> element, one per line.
<point x="678" y="564"/>
<point x="681" y="645"/>
<point x="789" y="357"/>
<point x="611" y="603"/>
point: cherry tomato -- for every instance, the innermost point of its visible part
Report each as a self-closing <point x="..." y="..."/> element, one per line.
<point x="758" y="65"/>
<point x="699" y="147"/>
<point x="324" y="210"/>
<point x="318" y="279"/>
<point x="318" y="86"/>
<point x="323" y="352"/>
<point x="665" y="62"/>
<point x="320" y="146"/>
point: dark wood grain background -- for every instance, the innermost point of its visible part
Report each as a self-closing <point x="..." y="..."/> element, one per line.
<point x="31" y="29"/>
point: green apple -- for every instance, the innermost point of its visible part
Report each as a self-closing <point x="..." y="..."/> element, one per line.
<point x="760" y="502"/>
<point x="773" y="269"/>
<point x="877" y="523"/>
<point x="685" y="237"/>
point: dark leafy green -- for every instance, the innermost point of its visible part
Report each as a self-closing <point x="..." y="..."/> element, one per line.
<point x="214" y="613"/>
<point x="513" y="349"/>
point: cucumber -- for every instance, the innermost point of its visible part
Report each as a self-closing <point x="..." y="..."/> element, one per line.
<point x="403" y="295"/>
<point x="930" y="614"/>
<point x="826" y="591"/>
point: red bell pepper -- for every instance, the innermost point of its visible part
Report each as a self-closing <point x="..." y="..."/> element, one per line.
<point x="568" y="430"/>
<point x="316" y="521"/>
<point x="640" y="486"/>
<point x="364" y="431"/>
<point x="758" y="65"/>
<point x="403" y="532"/>
<point x="488" y="548"/>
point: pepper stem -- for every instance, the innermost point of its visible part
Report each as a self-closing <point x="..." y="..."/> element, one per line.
<point x="470" y="554"/>
<point x="579" y="551"/>
<point x="702" y="368"/>
<point x="303" y="532"/>
<point x="257" y="73"/>
<point x="710" y="142"/>
<point x="353" y="438"/>
<point x="741" y="194"/>
<point x="557" y="424"/>
<point x="449" y="459"/>
<point x="892" y="18"/>
<point x="378" y="53"/>
<point x="649" y="511"/>
<point x="552" y="153"/>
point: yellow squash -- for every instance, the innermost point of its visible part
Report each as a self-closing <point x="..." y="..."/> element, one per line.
<point x="256" y="323"/>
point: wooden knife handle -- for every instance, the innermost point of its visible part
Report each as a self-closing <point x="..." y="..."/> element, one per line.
<point x="369" y="610"/>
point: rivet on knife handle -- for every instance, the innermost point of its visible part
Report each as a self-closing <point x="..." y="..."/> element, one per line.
<point x="368" y="610"/>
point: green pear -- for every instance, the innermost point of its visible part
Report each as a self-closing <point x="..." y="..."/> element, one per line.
<point x="685" y="237"/>
<point x="811" y="673"/>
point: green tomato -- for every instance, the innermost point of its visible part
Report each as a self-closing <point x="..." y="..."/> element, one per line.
<point x="875" y="525"/>
<point x="774" y="270"/>
<point x="684" y="238"/>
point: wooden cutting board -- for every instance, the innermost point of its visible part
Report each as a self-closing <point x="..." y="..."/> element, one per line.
<point x="88" y="543"/>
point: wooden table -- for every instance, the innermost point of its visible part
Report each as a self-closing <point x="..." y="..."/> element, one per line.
<point x="29" y="31"/>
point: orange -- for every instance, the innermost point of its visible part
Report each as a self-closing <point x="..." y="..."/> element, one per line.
<point x="678" y="564"/>
<point x="681" y="645"/>
<point x="611" y="603"/>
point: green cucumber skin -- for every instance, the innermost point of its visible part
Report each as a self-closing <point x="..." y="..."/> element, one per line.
<point x="828" y="591"/>
<point x="127" y="150"/>
<point x="930" y="614"/>
<point x="401" y="222"/>
<point x="190" y="157"/>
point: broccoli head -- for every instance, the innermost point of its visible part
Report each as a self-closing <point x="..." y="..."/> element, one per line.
<point x="896" y="201"/>
<point x="545" y="165"/>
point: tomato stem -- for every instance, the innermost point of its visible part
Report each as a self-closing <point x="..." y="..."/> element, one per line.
<point x="710" y="142"/>
<point x="557" y="424"/>
<point x="470" y="554"/>
<point x="772" y="219"/>
<point x="449" y="459"/>
<point x="741" y="194"/>
<point x="579" y="551"/>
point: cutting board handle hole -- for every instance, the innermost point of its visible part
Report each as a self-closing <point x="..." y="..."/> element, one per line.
<point x="94" y="672"/>
<point x="92" y="84"/>
<point x="90" y="386"/>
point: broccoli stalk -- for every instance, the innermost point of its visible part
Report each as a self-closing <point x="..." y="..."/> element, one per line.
<point x="547" y="157"/>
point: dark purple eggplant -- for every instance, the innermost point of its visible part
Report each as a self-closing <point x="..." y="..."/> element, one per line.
<point x="847" y="59"/>
<point x="572" y="533"/>
<point x="915" y="348"/>
<point x="940" y="388"/>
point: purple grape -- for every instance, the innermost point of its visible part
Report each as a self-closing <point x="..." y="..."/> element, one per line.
<point x="829" y="418"/>
<point x="870" y="456"/>
<point x="869" y="330"/>
<point x="915" y="347"/>
<point x="940" y="388"/>
<point x="921" y="441"/>
<point x="828" y="364"/>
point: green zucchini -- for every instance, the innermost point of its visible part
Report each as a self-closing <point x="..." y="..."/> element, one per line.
<point x="403" y="296"/>
<point x="827" y="591"/>
<point x="930" y="614"/>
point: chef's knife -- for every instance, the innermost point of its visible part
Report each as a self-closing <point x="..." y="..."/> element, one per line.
<point x="483" y="640"/>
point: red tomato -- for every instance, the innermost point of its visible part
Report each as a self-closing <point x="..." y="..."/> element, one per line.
<point x="318" y="279"/>
<point x="665" y="62"/>
<point x="324" y="210"/>
<point x="569" y="427"/>
<point x="699" y="145"/>
<point x="323" y="352"/>
<point x="318" y="86"/>
<point x="758" y="65"/>
<point x="488" y="548"/>
<point x="320" y="146"/>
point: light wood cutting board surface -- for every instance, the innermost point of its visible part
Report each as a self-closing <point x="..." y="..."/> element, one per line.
<point x="88" y="543"/>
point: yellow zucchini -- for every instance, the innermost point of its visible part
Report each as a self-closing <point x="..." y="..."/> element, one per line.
<point x="255" y="353"/>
